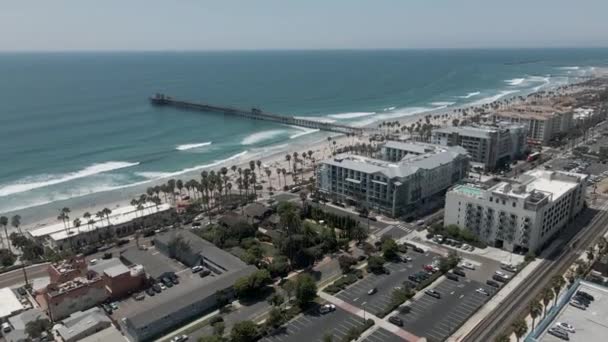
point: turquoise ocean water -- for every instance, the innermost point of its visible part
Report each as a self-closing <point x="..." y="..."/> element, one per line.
<point x="76" y="127"/>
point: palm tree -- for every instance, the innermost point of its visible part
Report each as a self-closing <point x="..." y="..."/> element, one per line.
<point x="547" y="296"/>
<point x="87" y="215"/>
<point x="134" y="203"/>
<point x="288" y="158"/>
<point x="4" y="223"/>
<point x="106" y="212"/>
<point x="557" y="282"/>
<point x="233" y="168"/>
<point x="156" y="201"/>
<point x="278" y="172"/>
<point x="259" y="164"/>
<point x="180" y="185"/>
<point x="268" y="172"/>
<point x="77" y="224"/>
<point x="16" y="222"/>
<point x="171" y="188"/>
<point x="100" y="216"/>
<point x="536" y="309"/>
<point x="284" y="172"/>
<point x="520" y="327"/>
<point x="252" y="166"/>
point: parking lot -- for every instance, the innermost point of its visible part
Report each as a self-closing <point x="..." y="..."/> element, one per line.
<point x="313" y="326"/>
<point x="382" y="335"/>
<point x="436" y="319"/>
<point x="384" y="283"/>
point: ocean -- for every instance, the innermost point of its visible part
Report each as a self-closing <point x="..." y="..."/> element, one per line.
<point x="77" y="128"/>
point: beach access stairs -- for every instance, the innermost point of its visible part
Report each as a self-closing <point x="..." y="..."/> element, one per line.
<point x="255" y="114"/>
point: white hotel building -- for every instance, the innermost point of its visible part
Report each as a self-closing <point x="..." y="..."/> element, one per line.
<point x="517" y="215"/>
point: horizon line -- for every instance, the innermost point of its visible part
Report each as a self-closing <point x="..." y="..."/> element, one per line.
<point x="302" y="49"/>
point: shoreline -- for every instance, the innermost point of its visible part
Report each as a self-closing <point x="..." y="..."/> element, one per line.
<point x="46" y="213"/>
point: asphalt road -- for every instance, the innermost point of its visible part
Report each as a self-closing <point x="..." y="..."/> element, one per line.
<point x="436" y="319"/>
<point x="312" y="327"/>
<point x="382" y="335"/>
<point x="356" y="294"/>
<point x="15" y="278"/>
<point x="516" y="302"/>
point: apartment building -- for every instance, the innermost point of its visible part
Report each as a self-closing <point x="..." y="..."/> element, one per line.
<point x="518" y="215"/>
<point x="407" y="176"/>
<point x="489" y="146"/>
<point x="543" y="123"/>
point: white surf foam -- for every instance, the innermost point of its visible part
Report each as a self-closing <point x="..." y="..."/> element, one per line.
<point x="469" y="95"/>
<point x="152" y="175"/>
<point x="442" y="104"/>
<point x="398" y="113"/>
<point x="186" y="147"/>
<point x="515" y="81"/>
<point x="261" y="136"/>
<point x="31" y="183"/>
<point x="304" y="131"/>
<point x="569" y="68"/>
<point x="351" y="115"/>
<point x="387" y="109"/>
<point x="493" y="98"/>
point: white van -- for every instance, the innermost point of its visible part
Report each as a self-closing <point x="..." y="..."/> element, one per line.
<point x="6" y="327"/>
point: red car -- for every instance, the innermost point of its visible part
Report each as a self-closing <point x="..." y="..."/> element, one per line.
<point x="430" y="268"/>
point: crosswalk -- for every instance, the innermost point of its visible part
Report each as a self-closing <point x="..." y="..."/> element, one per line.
<point x="395" y="231"/>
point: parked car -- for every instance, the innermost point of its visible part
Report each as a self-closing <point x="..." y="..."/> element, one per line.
<point x="502" y="274"/>
<point x="452" y="276"/>
<point x="578" y="305"/>
<point x="197" y="268"/>
<point x="150" y="291"/>
<point x="459" y="271"/>
<point x="413" y="278"/>
<point x="204" y="273"/>
<point x="433" y="293"/>
<point x="139" y="296"/>
<point x="406" y="258"/>
<point x="482" y="291"/>
<point x="107" y="256"/>
<point x="372" y="291"/>
<point x="157" y="288"/>
<point x="418" y="249"/>
<point x="559" y="333"/>
<point x="493" y="283"/>
<point x="162" y="286"/>
<point x="327" y="308"/>
<point x="114" y="306"/>
<point x="107" y="309"/>
<point x="6" y="327"/>
<point x="568" y="327"/>
<point x="468" y="265"/>
<point x="396" y="321"/>
<point x="585" y="295"/>
<point x="499" y="278"/>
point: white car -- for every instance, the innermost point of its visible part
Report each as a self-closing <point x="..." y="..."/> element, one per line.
<point x="482" y="291"/>
<point x="501" y="274"/>
<point x="468" y="265"/>
<point x="197" y="268"/>
<point x="162" y="286"/>
<point x="327" y="308"/>
<point x="568" y="327"/>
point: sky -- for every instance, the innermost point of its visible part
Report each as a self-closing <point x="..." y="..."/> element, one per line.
<point x="80" y="25"/>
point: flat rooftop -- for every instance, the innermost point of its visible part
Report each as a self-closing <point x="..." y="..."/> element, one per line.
<point x="10" y="304"/>
<point x="591" y="325"/>
<point x="119" y="216"/>
<point x="409" y="165"/>
<point x="155" y="264"/>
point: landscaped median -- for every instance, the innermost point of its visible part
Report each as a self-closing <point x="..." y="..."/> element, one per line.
<point x="344" y="282"/>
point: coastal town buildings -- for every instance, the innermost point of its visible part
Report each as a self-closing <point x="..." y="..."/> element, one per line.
<point x="517" y="215"/>
<point x="193" y="297"/>
<point x="543" y="123"/>
<point x="63" y="235"/>
<point x="73" y="286"/>
<point x="489" y="146"/>
<point x="407" y="176"/>
<point x="82" y="324"/>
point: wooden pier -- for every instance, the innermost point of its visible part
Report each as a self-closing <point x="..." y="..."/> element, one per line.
<point x="255" y="114"/>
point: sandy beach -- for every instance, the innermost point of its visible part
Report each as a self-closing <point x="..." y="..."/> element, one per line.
<point x="321" y="148"/>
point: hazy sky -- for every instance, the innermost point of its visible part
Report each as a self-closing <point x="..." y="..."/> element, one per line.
<point x="299" y="24"/>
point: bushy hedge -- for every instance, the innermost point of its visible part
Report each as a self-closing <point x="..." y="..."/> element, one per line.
<point x="344" y="281"/>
